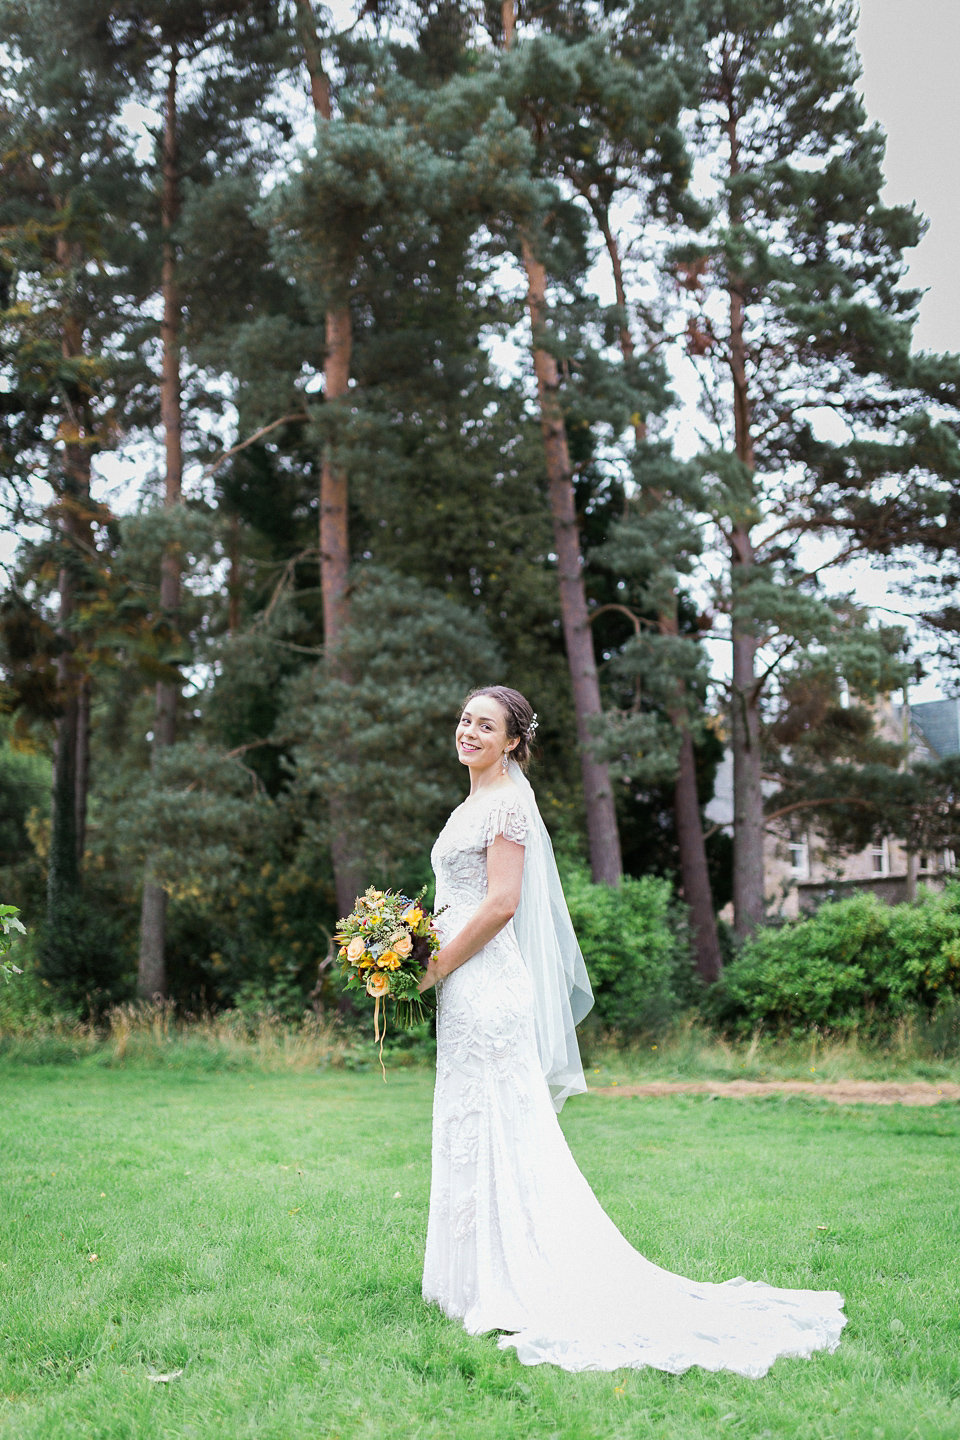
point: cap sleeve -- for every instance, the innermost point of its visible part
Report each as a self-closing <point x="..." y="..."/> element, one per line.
<point x="507" y="818"/>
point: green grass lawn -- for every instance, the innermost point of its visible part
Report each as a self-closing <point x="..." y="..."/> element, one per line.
<point x="263" y="1233"/>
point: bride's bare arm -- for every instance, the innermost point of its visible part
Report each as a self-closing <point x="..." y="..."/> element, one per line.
<point x="504" y="882"/>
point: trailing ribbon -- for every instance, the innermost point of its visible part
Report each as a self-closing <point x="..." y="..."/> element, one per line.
<point x="376" y="1030"/>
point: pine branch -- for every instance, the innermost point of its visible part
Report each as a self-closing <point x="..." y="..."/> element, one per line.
<point x="252" y="440"/>
<point x="813" y="804"/>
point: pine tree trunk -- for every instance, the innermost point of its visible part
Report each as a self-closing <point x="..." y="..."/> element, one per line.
<point x="152" y="969"/>
<point x="82" y="772"/>
<point x="693" y="863"/>
<point x="694" y="872"/>
<point x="748" y="879"/>
<point x="334" y="535"/>
<point x="748" y="901"/>
<point x="602" y="830"/>
<point x="348" y="866"/>
<point x="151" y="977"/>
<point x="71" y="746"/>
<point x="63" y="872"/>
<point x="72" y="743"/>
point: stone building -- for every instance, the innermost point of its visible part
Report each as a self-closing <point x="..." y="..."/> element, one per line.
<point x="799" y="874"/>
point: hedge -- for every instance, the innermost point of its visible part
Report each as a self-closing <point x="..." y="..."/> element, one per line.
<point x="636" y="943"/>
<point x="854" y="963"/>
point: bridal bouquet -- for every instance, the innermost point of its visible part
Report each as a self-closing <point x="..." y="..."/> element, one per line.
<point x="386" y="943"/>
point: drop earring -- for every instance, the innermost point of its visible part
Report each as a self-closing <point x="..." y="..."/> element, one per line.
<point x="503" y="763"/>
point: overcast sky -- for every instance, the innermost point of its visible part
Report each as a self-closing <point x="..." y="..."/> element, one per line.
<point x="911" y="50"/>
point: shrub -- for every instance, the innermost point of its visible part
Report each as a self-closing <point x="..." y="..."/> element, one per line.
<point x="855" y="962"/>
<point x="636" y="945"/>
<point x="27" y="1004"/>
<point x="82" y="956"/>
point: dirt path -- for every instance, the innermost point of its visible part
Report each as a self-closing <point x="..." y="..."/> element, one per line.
<point x="842" y="1092"/>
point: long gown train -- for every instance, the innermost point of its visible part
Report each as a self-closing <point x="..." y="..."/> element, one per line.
<point x="516" y="1239"/>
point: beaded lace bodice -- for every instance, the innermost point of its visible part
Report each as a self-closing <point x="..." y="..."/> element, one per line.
<point x="459" y="856"/>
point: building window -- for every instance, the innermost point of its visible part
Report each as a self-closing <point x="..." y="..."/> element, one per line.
<point x="799" y="861"/>
<point x="923" y="862"/>
<point x="879" y="856"/>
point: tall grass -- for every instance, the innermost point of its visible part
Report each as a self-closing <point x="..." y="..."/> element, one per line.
<point x="156" y="1035"/>
<point x="690" y="1050"/>
<point x="151" y="1032"/>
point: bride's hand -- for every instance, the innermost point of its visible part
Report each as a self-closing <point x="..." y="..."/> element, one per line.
<point x="430" y="976"/>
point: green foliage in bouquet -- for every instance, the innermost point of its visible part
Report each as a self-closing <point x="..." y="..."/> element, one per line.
<point x="9" y="923"/>
<point x="385" y="944"/>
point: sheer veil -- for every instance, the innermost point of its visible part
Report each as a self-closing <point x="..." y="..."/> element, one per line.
<point x="544" y="930"/>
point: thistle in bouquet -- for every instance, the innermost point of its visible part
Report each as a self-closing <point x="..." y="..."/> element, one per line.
<point x="385" y="945"/>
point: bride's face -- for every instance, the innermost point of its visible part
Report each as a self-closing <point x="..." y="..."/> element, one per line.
<point x="482" y="733"/>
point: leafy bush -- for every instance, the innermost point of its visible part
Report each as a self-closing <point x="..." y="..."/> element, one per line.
<point x="856" y="962"/>
<point x="24" y="786"/>
<point x="636" y="945"/>
<point x="27" y="1004"/>
<point x="82" y="956"/>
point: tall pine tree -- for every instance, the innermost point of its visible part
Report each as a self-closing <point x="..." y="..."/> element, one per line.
<point x="209" y="70"/>
<point x="796" y="309"/>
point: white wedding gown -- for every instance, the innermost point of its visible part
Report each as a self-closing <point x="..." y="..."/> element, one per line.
<point x="516" y="1239"/>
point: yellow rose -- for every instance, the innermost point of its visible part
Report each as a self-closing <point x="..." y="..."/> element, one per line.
<point x="342" y="952"/>
<point x="389" y="960"/>
<point x="378" y="985"/>
<point x="403" y="946"/>
<point x="355" y="949"/>
<point x="412" y="916"/>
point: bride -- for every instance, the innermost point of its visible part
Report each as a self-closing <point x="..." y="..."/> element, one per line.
<point x="516" y="1239"/>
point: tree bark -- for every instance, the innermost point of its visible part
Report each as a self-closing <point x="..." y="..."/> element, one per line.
<point x="63" y="871"/>
<point x="152" y="970"/>
<point x="71" y="746"/>
<point x="348" y="864"/>
<point x="313" y="57"/>
<point x="151" y="977"/>
<point x="602" y="830"/>
<point x="748" y="887"/>
<point x="693" y="863"/>
<point x="82" y="774"/>
<point x="694" y="872"/>
<point x="748" y="897"/>
<point x="910" y="890"/>
<point x="334" y="533"/>
<point x="748" y="823"/>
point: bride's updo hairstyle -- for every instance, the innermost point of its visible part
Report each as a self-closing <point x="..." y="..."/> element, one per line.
<point x="518" y="714"/>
